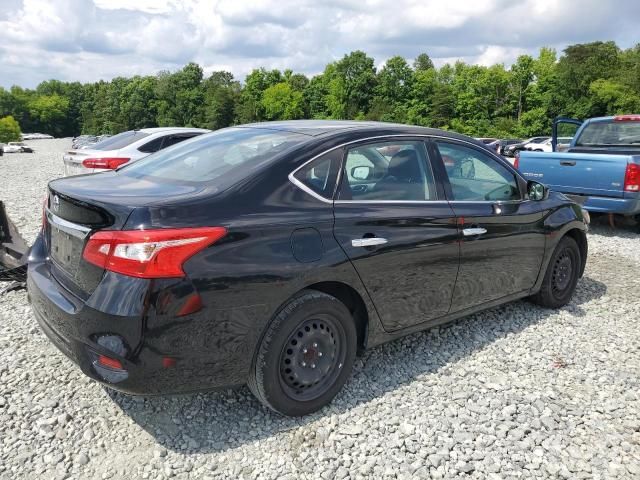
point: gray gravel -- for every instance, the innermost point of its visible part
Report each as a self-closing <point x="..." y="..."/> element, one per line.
<point x="515" y="392"/>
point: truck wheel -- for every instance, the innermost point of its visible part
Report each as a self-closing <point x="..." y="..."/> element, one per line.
<point x="561" y="277"/>
<point x="306" y="355"/>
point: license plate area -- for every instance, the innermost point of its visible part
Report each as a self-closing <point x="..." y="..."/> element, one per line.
<point x="66" y="249"/>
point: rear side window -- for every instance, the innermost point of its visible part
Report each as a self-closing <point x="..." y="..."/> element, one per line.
<point x="173" y="139"/>
<point x="610" y="133"/>
<point x="223" y="157"/>
<point x="120" y="140"/>
<point x="152" y="146"/>
<point x="320" y="174"/>
<point x="395" y="170"/>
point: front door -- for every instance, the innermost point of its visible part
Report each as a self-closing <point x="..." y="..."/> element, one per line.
<point x="502" y="241"/>
<point x="394" y="224"/>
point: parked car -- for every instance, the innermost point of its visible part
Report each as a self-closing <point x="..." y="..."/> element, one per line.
<point x="511" y="150"/>
<point x="36" y="136"/>
<point x="132" y="145"/>
<point x="17" y="147"/>
<point x="562" y="142"/>
<point x="270" y="254"/>
<point x="602" y="164"/>
<point x="506" y="142"/>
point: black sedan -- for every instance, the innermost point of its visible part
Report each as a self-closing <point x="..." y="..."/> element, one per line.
<point x="271" y="254"/>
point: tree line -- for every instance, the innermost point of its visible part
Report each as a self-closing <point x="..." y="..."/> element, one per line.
<point x="586" y="80"/>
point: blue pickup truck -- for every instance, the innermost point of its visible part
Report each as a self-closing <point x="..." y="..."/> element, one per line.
<point x="602" y="163"/>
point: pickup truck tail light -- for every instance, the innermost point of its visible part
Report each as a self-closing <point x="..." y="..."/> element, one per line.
<point x="149" y="253"/>
<point x="516" y="162"/>
<point x="632" y="178"/>
<point x="626" y="118"/>
<point x="110" y="163"/>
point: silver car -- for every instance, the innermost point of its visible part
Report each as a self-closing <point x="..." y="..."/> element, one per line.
<point x="124" y="147"/>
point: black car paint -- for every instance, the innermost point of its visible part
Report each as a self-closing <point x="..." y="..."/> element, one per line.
<point x="264" y="260"/>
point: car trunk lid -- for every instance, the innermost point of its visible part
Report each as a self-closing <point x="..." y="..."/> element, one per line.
<point x="78" y="206"/>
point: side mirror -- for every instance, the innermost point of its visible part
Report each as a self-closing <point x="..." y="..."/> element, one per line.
<point x="363" y="172"/>
<point x="537" y="191"/>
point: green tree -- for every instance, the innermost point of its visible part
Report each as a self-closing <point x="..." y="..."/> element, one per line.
<point x="422" y="62"/>
<point x="9" y="130"/>
<point x="281" y="102"/>
<point x="49" y="112"/>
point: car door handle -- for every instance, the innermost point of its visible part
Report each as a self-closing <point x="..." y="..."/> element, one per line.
<point x="568" y="163"/>
<point x="368" y="242"/>
<point x="474" y="231"/>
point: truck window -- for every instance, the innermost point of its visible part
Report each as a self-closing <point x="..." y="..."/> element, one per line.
<point x="610" y="132"/>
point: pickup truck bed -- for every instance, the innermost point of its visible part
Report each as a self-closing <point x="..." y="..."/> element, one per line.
<point x="598" y="176"/>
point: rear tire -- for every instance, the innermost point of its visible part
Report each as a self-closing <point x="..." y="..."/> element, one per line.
<point x="562" y="275"/>
<point x="305" y="356"/>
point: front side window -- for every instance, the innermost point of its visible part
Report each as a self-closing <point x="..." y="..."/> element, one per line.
<point x="475" y="176"/>
<point x="394" y="170"/>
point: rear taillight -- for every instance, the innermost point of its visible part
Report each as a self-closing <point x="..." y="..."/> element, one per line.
<point x="110" y="163"/>
<point x="632" y="178"/>
<point x="516" y="162"/>
<point x="626" y="118"/>
<point x="149" y="253"/>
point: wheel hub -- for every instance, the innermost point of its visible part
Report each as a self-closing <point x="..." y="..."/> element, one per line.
<point x="310" y="357"/>
<point x="562" y="272"/>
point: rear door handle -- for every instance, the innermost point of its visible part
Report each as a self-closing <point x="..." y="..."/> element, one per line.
<point x="368" y="242"/>
<point x="468" y="232"/>
<point x="568" y="163"/>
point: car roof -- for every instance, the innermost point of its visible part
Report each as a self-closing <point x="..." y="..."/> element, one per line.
<point x="317" y="128"/>
<point x="172" y="130"/>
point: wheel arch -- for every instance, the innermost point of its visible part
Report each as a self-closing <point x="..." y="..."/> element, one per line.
<point x="580" y="238"/>
<point x="354" y="302"/>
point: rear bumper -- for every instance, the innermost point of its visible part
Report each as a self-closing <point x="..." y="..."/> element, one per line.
<point x="623" y="206"/>
<point x="165" y="353"/>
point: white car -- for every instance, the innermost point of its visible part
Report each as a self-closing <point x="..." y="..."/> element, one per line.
<point x="546" y="145"/>
<point x="35" y="136"/>
<point x="17" y="147"/>
<point x="124" y="147"/>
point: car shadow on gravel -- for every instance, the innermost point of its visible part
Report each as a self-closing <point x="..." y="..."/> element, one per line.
<point x="214" y="422"/>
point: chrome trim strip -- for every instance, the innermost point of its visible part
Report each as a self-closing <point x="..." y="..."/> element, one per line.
<point x="306" y="189"/>
<point x="78" y="231"/>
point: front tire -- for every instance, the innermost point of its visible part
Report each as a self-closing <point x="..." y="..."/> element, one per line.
<point x="562" y="275"/>
<point x="305" y="356"/>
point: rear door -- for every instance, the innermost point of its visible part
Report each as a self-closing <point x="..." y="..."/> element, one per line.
<point x="503" y="239"/>
<point x="394" y="224"/>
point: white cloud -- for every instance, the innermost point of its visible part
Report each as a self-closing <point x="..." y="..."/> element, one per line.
<point x="91" y="39"/>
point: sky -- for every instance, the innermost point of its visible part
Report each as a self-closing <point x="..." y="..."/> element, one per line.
<point x="89" y="40"/>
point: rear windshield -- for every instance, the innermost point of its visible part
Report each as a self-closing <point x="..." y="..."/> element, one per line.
<point x="226" y="156"/>
<point x="610" y="133"/>
<point x="120" y="140"/>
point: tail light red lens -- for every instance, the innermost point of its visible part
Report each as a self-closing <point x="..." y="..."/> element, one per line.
<point x="632" y="178"/>
<point x="149" y="253"/>
<point x="626" y="118"/>
<point x="110" y="163"/>
<point x="516" y="162"/>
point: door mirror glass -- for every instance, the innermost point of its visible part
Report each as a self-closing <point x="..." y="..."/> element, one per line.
<point x="537" y="191"/>
<point x="362" y="172"/>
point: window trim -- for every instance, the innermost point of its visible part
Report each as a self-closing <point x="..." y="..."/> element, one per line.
<point x="427" y="138"/>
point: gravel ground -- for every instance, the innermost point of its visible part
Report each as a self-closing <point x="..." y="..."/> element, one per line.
<point x="514" y="392"/>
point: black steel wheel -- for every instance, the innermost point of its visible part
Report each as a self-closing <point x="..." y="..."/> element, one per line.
<point x="312" y="357"/>
<point x="561" y="276"/>
<point x="305" y="356"/>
